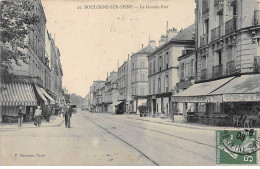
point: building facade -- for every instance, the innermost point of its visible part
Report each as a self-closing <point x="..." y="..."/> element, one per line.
<point x="31" y="85"/>
<point x="227" y="56"/>
<point x="124" y="87"/>
<point x="187" y="77"/>
<point x="139" y="76"/>
<point x="163" y="69"/>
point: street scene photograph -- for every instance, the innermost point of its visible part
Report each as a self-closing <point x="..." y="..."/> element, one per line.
<point x="130" y="83"/>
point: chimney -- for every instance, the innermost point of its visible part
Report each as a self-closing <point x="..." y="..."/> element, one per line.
<point x="171" y="33"/>
<point x="152" y="43"/>
<point x="128" y="57"/>
<point x="142" y="46"/>
<point x="162" y="40"/>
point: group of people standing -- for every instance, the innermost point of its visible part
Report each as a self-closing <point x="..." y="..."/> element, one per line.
<point x="38" y="113"/>
<point x="47" y="111"/>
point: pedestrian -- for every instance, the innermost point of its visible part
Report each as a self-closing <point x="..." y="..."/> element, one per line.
<point x="37" y="115"/>
<point x="48" y="113"/>
<point x="68" y="115"/>
<point x="30" y="113"/>
<point x="20" y="115"/>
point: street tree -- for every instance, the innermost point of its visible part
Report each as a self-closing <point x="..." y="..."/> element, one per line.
<point x="17" y="19"/>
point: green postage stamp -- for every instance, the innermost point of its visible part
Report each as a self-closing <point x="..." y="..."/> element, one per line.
<point x="237" y="146"/>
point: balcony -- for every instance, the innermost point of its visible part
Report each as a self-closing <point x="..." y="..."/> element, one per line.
<point x="216" y="33"/>
<point x="256" y="65"/>
<point x="257" y="17"/>
<point x="217" y="71"/>
<point x="205" y="6"/>
<point x="203" y="74"/>
<point x="231" y="68"/>
<point x="203" y="40"/>
<point x="231" y="26"/>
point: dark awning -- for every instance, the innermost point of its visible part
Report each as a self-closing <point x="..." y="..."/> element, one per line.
<point x="17" y="93"/>
<point x="241" y="89"/>
<point x="198" y="93"/>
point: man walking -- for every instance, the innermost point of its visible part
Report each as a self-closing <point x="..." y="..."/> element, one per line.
<point x="68" y="114"/>
<point x="48" y="114"/>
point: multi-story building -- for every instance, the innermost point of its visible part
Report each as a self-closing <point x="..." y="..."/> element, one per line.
<point x="124" y="87"/>
<point x="227" y="57"/>
<point x="97" y="95"/>
<point x="32" y="81"/>
<point x="186" y="76"/>
<point x="53" y="54"/>
<point x="163" y="68"/>
<point x="111" y="92"/>
<point x="139" y="76"/>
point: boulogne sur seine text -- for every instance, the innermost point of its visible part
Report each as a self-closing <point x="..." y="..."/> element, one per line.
<point x="122" y="7"/>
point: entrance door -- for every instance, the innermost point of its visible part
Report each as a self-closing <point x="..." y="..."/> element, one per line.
<point x="154" y="106"/>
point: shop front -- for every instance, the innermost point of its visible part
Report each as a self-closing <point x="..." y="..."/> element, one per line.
<point x="13" y="95"/>
<point x="226" y="102"/>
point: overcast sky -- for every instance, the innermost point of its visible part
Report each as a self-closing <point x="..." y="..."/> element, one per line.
<point x="91" y="41"/>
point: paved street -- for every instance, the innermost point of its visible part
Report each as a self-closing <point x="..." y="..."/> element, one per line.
<point x="104" y="139"/>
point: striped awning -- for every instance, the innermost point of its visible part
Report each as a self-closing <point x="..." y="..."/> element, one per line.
<point x="17" y="93"/>
<point x="39" y="91"/>
<point x="52" y="101"/>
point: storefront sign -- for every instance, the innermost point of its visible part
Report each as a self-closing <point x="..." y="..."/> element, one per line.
<point x="241" y="97"/>
<point x="190" y="99"/>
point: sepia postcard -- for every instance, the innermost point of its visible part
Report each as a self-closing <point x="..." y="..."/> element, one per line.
<point x="129" y="82"/>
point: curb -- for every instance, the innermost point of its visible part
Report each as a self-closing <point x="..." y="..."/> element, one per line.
<point x="174" y="124"/>
<point x="12" y="129"/>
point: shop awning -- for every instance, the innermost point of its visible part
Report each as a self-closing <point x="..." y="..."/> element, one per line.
<point x="17" y="93"/>
<point x="241" y="89"/>
<point x="39" y="91"/>
<point x="116" y="103"/>
<point x="198" y="93"/>
<point x="52" y="101"/>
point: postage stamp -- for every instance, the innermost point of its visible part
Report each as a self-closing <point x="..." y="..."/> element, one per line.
<point x="237" y="146"/>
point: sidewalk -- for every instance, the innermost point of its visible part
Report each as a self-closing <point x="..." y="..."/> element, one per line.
<point x="177" y="122"/>
<point x="54" y="122"/>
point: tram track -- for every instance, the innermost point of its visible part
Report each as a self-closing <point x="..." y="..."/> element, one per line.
<point x="164" y="133"/>
<point x="129" y="144"/>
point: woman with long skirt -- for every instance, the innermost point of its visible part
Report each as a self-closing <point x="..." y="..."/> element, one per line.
<point x="38" y="113"/>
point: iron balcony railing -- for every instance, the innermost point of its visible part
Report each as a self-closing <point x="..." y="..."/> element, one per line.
<point x="231" y="26"/>
<point x="217" y="71"/>
<point x="216" y="33"/>
<point x="257" y="17"/>
<point x="203" y="74"/>
<point x="231" y="68"/>
<point x="203" y="39"/>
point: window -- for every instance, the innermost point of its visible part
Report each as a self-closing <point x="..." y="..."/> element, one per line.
<point x="150" y="68"/>
<point x="142" y="77"/>
<point x="150" y="87"/>
<point x="206" y="27"/>
<point x="230" y="53"/>
<point x="166" y="83"/>
<point x="187" y="69"/>
<point x="159" y="85"/>
<point x="182" y="71"/>
<point x="143" y="64"/>
<point x="204" y="62"/>
<point x="153" y="66"/>
<point x="153" y="86"/>
<point x="191" y="67"/>
<point x="142" y="91"/>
